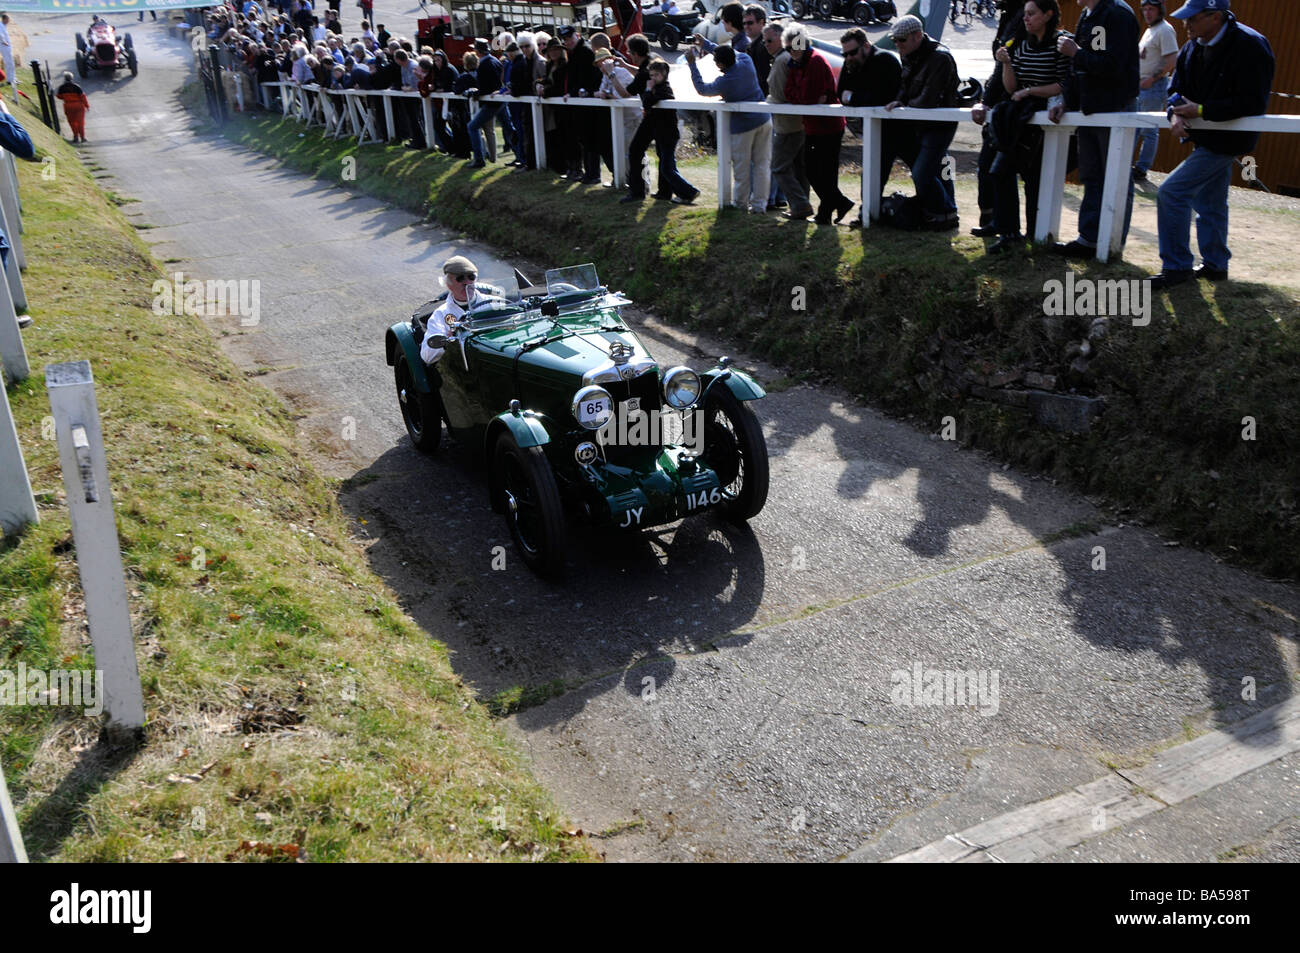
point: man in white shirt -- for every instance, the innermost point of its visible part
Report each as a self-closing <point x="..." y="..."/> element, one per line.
<point x="459" y="275"/>
<point x="7" y="53"/>
<point x="1157" y="56"/>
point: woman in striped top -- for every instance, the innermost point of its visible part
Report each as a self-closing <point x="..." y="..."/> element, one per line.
<point x="1033" y="71"/>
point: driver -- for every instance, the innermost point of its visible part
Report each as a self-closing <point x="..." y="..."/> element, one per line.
<point x="459" y="275"/>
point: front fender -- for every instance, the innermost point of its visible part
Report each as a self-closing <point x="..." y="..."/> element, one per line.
<point x="400" y="339"/>
<point x="742" y="385"/>
<point x="528" y="431"/>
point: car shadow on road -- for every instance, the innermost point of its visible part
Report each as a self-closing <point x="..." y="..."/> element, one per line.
<point x="625" y="597"/>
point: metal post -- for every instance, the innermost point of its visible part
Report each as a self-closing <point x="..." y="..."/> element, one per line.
<point x="41" y="94"/>
<point x="9" y="206"/>
<point x="11" y="838"/>
<point x="13" y="278"/>
<point x="71" y="390"/>
<point x="17" y="505"/>
<point x="218" y="88"/>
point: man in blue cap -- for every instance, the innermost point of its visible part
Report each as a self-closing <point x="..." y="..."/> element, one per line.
<point x="1224" y="72"/>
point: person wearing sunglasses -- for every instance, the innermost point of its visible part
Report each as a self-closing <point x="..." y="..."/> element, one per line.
<point x="460" y="276"/>
<point x="869" y="77"/>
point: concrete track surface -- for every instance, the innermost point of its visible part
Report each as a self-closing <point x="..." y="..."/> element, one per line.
<point x="741" y="693"/>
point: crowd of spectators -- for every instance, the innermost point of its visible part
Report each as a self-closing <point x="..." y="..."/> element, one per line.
<point x="783" y="161"/>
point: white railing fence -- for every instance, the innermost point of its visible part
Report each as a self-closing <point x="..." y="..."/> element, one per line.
<point x="346" y="113"/>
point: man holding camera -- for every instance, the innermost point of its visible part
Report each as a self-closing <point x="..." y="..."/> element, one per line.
<point x="1225" y="71"/>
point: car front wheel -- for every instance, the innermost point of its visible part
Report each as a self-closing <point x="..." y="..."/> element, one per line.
<point x="826" y="9"/>
<point x="863" y="14"/>
<point x="422" y="413"/>
<point x="799" y="9"/>
<point x="669" y="38"/>
<point x="735" y="449"/>
<point x="533" y="510"/>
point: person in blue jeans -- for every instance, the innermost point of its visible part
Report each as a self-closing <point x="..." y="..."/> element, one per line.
<point x="1157" y="54"/>
<point x="1224" y="72"/>
<point x="1103" y="78"/>
<point x="488" y="78"/>
<point x="661" y="126"/>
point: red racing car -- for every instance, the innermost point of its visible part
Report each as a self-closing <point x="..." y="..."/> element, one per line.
<point x="100" y="49"/>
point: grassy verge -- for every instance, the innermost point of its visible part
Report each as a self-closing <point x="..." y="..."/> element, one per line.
<point x="290" y="703"/>
<point x="915" y="323"/>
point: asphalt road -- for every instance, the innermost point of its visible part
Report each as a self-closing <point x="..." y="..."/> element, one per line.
<point x="727" y="694"/>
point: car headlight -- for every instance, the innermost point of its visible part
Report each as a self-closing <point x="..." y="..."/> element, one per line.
<point x="681" y="388"/>
<point x="593" y="407"/>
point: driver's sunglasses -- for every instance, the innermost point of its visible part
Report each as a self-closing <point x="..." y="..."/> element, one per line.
<point x="471" y="276"/>
<point x="853" y="52"/>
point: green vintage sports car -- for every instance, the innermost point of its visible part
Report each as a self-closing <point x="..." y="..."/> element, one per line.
<point x="569" y="410"/>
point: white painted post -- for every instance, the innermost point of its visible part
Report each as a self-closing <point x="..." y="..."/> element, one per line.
<point x="285" y="94"/>
<point x="539" y="133"/>
<point x="722" y="122"/>
<point x="10" y="205"/>
<point x="11" y="838"/>
<point x="12" y="351"/>
<point x="1119" y="176"/>
<point x="618" y="144"/>
<point x="388" y="118"/>
<point x="13" y="277"/>
<point x="1051" y="183"/>
<point x="872" y="133"/>
<point x="17" y="506"/>
<point x="71" y="390"/>
<point x="430" y="140"/>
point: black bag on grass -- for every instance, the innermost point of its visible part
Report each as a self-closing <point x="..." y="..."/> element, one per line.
<point x="901" y="211"/>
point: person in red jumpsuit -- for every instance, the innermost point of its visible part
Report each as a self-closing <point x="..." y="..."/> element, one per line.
<point x="75" y="105"/>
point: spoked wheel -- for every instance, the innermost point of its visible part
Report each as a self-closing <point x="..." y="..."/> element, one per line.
<point x="735" y="449"/>
<point x="669" y="37"/>
<point x="863" y="14"/>
<point x="826" y="9"/>
<point x="799" y="9"/>
<point x="422" y="413"/>
<point x="532" y="505"/>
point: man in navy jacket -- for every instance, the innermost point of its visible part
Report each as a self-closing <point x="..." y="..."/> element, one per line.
<point x="1224" y="72"/>
<point x="1103" y="78"/>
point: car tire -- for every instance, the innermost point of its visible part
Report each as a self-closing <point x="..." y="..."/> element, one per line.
<point x="421" y="413"/>
<point x="863" y="14"/>
<point x="735" y="449"/>
<point x="132" y="63"/>
<point x="669" y="38"/>
<point x="701" y="9"/>
<point x="533" y="511"/>
<point x="799" y="9"/>
<point x="83" y="68"/>
<point x="826" y="9"/>
<point x="127" y="44"/>
<point x="81" y="43"/>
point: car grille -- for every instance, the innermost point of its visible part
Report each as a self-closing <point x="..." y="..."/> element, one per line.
<point x="106" y="51"/>
<point x="645" y="387"/>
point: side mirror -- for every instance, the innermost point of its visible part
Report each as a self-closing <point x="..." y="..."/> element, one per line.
<point x="437" y="340"/>
<point x="550" y="308"/>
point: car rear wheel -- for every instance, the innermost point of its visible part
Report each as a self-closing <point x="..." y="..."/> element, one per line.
<point x="799" y="9"/>
<point x="422" y="413"/>
<point x="533" y="510"/>
<point x="669" y="38"/>
<point x="735" y="449"/>
<point x="863" y="14"/>
<point x="826" y="9"/>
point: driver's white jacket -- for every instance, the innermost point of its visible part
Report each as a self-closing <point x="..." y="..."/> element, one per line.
<point x="438" y="325"/>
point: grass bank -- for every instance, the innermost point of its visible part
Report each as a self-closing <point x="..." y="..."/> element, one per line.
<point x="923" y="325"/>
<point x="293" y="709"/>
